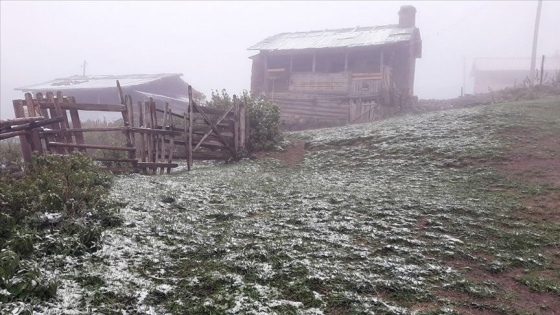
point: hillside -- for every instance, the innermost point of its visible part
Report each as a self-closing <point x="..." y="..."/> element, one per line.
<point x="447" y="212"/>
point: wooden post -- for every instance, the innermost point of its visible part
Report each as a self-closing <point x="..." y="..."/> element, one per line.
<point x="164" y="123"/>
<point x="542" y="69"/>
<point x="190" y="131"/>
<point x="141" y="135"/>
<point x="76" y="124"/>
<point x="235" y="124"/>
<point x="171" y="142"/>
<point x="56" y="112"/>
<point x="246" y="121"/>
<point x="25" y="146"/>
<point x="64" y="123"/>
<point x="242" y="125"/>
<point x="34" y="133"/>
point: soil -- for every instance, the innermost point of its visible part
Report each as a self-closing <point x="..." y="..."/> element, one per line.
<point x="291" y="156"/>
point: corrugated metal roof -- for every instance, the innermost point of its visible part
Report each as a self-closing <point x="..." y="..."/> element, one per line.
<point x="345" y="37"/>
<point x="97" y="81"/>
<point x="514" y="64"/>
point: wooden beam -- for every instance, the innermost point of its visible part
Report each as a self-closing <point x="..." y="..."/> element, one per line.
<point x="91" y="146"/>
<point x="85" y="106"/>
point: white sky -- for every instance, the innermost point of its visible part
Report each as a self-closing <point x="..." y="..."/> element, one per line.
<point x="208" y="41"/>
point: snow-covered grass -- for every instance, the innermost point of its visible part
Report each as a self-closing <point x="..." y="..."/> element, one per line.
<point x="364" y="225"/>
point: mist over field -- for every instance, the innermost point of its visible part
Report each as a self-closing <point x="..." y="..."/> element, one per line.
<point x="208" y="41"/>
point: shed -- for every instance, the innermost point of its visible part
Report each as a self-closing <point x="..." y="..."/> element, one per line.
<point x="499" y="73"/>
<point x="360" y="63"/>
<point x="102" y="89"/>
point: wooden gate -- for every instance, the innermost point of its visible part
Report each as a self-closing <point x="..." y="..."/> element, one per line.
<point x="150" y="144"/>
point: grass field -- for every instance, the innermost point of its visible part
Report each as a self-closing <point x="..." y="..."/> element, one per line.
<point x="424" y="214"/>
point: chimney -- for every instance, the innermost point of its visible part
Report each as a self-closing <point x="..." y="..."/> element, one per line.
<point x="407" y="16"/>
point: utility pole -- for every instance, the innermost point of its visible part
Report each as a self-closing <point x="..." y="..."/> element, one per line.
<point x="535" y="38"/>
<point x="84" y="67"/>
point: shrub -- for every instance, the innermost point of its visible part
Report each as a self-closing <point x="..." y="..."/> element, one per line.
<point x="58" y="207"/>
<point x="264" y="119"/>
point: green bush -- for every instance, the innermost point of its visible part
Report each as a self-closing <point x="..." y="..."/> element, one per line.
<point x="264" y="119"/>
<point x="59" y="207"/>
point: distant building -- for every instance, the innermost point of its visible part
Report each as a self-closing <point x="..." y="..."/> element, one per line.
<point x="102" y="89"/>
<point x="500" y="73"/>
<point x="345" y="65"/>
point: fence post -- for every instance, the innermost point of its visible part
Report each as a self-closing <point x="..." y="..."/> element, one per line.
<point x="190" y="132"/>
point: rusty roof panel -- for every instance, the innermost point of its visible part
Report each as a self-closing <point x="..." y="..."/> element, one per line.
<point x="346" y="37"/>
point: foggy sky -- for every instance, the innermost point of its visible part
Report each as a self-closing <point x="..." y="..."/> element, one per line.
<point x="208" y="41"/>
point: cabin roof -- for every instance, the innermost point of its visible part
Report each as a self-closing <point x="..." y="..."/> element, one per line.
<point x="78" y="82"/>
<point x="344" y="37"/>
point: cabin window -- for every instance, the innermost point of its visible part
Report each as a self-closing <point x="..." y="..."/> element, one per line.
<point x="302" y="63"/>
<point x="364" y="61"/>
<point x="329" y="62"/>
<point x="279" y="62"/>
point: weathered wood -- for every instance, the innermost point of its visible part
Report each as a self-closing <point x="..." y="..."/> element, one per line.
<point x="236" y="124"/>
<point x="10" y="134"/>
<point x="44" y="112"/>
<point x="55" y="112"/>
<point x="34" y="124"/>
<point x="190" y="131"/>
<point x="141" y="125"/>
<point x="171" y="144"/>
<point x="156" y="164"/>
<point x="85" y="106"/>
<point x="210" y="130"/>
<point x="120" y="93"/>
<point x="24" y="143"/>
<point x="19" y="121"/>
<point x="91" y="146"/>
<point x="216" y="131"/>
<point x="242" y="117"/>
<point x="64" y="123"/>
<point x="76" y="124"/>
<point x="94" y="129"/>
<point x="34" y="134"/>
<point x="106" y="159"/>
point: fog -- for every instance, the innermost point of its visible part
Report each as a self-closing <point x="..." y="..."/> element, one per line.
<point x="208" y="41"/>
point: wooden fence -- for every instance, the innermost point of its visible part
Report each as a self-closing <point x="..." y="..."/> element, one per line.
<point x="153" y="138"/>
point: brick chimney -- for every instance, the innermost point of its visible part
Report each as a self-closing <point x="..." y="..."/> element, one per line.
<point x="407" y="16"/>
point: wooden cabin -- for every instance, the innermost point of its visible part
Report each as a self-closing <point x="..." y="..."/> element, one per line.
<point x="336" y="68"/>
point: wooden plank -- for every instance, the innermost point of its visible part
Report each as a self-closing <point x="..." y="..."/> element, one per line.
<point x="150" y="137"/>
<point x="126" y="120"/>
<point x="190" y="131"/>
<point x="162" y="138"/>
<point x="85" y="106"/>
<point x="76" y="123"/>
<point x="171" y="144"/>
<point x="19" y="121"/>
<point x="236" y="124"/>
<point x="36" y="144"/>
<point x="91" y="146"/>
<point x="215" y="129"/>
<point x="55" y="112"/>
<point x="64" y="123"/>
<point x="44" y="112"/>
<point x="100" y="129"/>
<point x="120" y="93"/>
<point x="141" y="124"/>
<point x="34" y="124"/>
<point x="106" y="159"/>
<point x="242" y="118"/>
<point x="210" y="131"/>
<point x="156" y="164"/>
<point x="10" y="134"/>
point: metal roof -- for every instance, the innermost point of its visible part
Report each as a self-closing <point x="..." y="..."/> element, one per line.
<point x="514" y="64"/>
<point x="344" y="37"/>
<point x="97" y="81"/>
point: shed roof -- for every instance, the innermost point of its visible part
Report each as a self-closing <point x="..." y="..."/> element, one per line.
<point x="344" y="37"/>
<point x="97" y="81"/>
